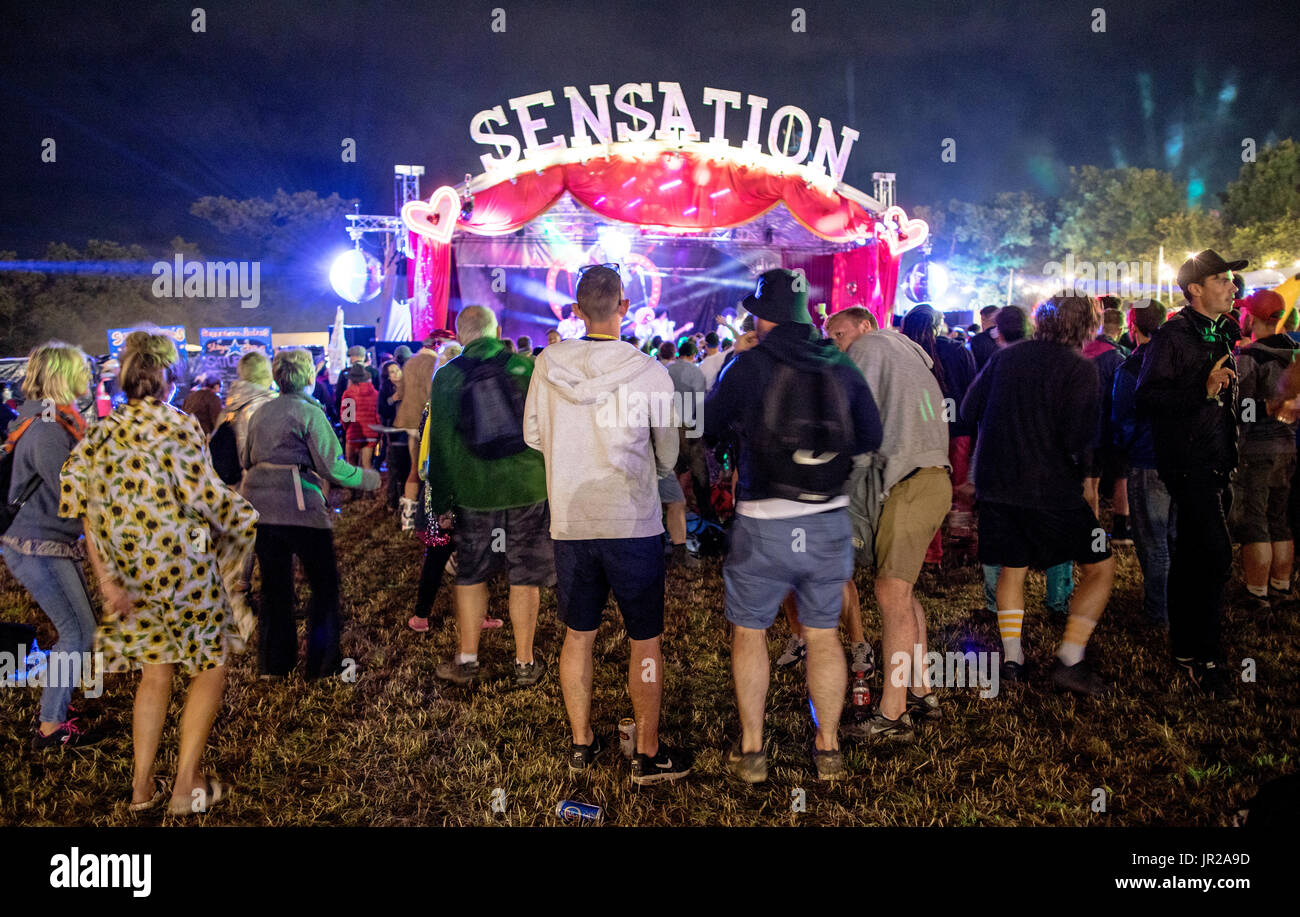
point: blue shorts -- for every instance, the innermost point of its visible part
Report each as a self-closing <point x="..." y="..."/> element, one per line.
<point x="813" y="555"/>
<point x="586" y="570"/>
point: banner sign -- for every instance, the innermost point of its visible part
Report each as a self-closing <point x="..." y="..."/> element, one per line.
<point x="117" y="337"/>
<point x="789" y="134"/>
<point x="221" y="349"/>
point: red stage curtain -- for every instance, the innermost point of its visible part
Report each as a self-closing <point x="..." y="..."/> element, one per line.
<point x="678" y="190"/>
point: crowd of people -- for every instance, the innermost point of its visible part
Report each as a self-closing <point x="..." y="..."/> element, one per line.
<point x="819" y="448"/>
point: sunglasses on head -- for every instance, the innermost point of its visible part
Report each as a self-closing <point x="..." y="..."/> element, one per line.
<point x="613" y="267"/>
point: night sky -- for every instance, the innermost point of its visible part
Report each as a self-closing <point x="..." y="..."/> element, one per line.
<point x="149" y="116"/>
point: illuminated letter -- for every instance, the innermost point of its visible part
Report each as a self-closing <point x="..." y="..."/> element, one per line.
<point x="782" y="114"/>
<point x="483" y="135"/>
<point x="631" y="91"/>
<point x="825" y="156"/>
<point x="756" y="106"/>
<point x="584" y="116"/>
<point x="724" y="99"/>
<point x="530" y="126"/>
<point x="676" y="123"/>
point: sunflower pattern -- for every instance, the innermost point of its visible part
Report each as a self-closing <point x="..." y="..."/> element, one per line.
<point x="170" y="530"/>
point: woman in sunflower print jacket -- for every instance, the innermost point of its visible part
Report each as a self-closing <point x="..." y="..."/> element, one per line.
<point x="167" y="542"/>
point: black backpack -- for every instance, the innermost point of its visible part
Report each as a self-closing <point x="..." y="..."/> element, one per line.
<point x="803" y="447"/>
<point x="224" y="448"/>
<point x="491" y="409"/>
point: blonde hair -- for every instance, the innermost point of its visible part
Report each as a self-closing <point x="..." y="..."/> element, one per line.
<point x="56" y="371"/>
<point x="254" y="367"/>
<point x="293" y="369"/>
<point x="149" y="364"/>
<point x="854" y="314"/>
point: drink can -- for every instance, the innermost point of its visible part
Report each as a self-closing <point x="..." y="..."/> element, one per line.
<point x="627" y="736"/>
<point x="861" y="692"/>
<point x="580" y="811"/>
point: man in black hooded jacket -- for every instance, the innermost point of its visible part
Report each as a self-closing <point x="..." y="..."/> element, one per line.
<point x="1188" y="389"/>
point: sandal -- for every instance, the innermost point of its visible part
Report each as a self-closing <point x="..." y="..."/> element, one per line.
<point x="160" y="790"/>
<point x="214" y="791"/>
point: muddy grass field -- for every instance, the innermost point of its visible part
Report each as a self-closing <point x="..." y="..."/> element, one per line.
<point x="397" y="747"/>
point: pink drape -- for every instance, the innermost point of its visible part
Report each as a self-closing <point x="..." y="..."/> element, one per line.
<point x="862" y="278"/>
<point x="678" y="190"/>
<point x="432" y="287"/>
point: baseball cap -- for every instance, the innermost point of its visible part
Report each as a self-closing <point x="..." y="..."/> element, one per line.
<point x="1205" y="264"/>
<point x="1265" y="305"/>
<point x="780" y="296"/>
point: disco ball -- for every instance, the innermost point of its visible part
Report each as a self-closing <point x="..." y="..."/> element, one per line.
<point x="357" y="275"/>
<point x="926" y="282"/>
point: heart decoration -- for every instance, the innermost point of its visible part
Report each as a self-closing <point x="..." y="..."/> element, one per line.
<point x="900" y="233"/>
<point x="437" y="218"/>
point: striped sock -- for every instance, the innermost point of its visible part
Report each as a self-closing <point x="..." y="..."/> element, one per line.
<point x="1009" y="627"/>
<point x="1077" y="631"/>
<point x="1281" y="585"/>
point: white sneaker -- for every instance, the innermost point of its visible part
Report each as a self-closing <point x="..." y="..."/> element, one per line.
<point x="795" y="651"/>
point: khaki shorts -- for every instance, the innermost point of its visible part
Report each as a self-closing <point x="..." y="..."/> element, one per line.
<point x="913" y="512"/>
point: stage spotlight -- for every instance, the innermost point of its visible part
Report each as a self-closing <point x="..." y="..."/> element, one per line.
<point x="938" y="280"/>
<point x="356" y="275"/>
<point x="616" y="244"/>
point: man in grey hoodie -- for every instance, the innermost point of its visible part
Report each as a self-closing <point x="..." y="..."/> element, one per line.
<point x="917" y="495"/>
<point x="601" y="413"/>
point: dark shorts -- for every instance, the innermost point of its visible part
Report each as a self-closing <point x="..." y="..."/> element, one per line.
<point x="1109" y="464"/>
<point x="1024" y="536"/>
<point x="515" y="540"/>
<point x="586" y="571"/>
<point x="813" y="555"/>
<point x="1261" y="495"/>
